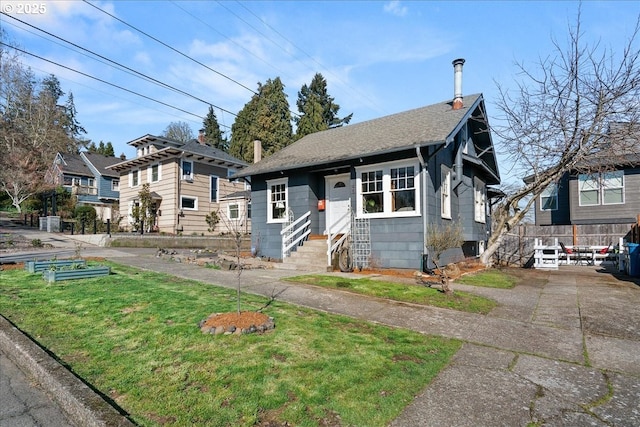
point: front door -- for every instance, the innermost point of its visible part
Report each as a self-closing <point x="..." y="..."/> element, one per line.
<point x="338" y="191"/>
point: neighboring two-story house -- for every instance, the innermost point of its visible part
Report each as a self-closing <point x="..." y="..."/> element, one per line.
<point x="391" y="177"/>
<point x="86" y="176"/>
<point x="604" y="191"/>
<point x="187" y="181"/>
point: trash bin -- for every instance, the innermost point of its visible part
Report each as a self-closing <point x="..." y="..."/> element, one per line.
<point x="634" y="259"/>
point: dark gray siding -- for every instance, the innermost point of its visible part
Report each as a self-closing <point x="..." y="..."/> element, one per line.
<point x="396" y="242"/>
<point x="559" y="216"/>
<point x="608" y="214"/>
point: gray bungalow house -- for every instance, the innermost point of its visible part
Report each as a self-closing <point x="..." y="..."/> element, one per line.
<point x="86" y="176"/>
<point x="379" y="185"/>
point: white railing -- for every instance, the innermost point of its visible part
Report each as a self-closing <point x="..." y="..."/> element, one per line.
<point x="335" y="243"/>
<point x="292" y="236"/>
<point x="545" y="256"/>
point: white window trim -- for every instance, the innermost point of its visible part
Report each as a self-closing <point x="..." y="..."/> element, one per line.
<point x="131" y="184"/>
<point x="601" y="188"/>
<point x="217" y="188"/>
<point x="237" y="205"/>
<point x="194" y="198"/>
<point x="546" y="193"/>
<point x="386" y="189"/>
<point x="150" y="172"/>
<point x="479" y="201"/>
<point x="270" y="183"/>
<point x="445" y="191"/>
<point x="182" y="175"/>
<point x="115" y="185"/>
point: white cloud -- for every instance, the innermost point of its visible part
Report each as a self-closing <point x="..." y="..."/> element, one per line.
<point x="394" y="8"/>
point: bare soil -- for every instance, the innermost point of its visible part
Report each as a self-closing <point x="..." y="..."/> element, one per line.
<point x="243" y="320"/>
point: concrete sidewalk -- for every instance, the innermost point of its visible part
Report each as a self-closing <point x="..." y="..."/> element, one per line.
<point x="563" y="347"/>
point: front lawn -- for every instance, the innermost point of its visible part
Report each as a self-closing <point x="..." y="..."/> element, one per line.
<point x="134" y="336"/>
<point x="493" y="278"/>
<point x="462" y="301"/>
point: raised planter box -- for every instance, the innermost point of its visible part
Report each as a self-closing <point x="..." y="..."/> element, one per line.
<point x="38" y="266"/>
<point x="82" y="273"/>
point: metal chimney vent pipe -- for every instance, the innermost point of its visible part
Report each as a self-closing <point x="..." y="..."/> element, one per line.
<point x="457" y="83"/>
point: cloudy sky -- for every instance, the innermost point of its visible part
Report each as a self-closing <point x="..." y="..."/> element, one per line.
<point x="378" y="57"/>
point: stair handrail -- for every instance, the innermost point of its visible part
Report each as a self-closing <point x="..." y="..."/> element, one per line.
<point x="288" y="232"/>
<point x="345" y="230"/>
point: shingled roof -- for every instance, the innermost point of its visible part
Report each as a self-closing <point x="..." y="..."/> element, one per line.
<point x="101" y="162"/>
<point x="430" y="125"/>
<point x="193" y="150"/>
<point x="74" y="165"/>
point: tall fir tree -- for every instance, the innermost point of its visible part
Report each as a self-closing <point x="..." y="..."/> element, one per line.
<point x="212" y="134"/>
<point x="318" y="111"/>
<point x="266" y="118"/>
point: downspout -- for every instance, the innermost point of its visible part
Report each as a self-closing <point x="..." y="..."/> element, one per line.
<point x="425" y="207"/>
<point x="178" y="187"/>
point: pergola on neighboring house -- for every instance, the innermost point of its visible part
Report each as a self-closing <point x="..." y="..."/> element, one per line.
<point x="87" y="177"/>
<point x="390" y="178"/>
<point x="187" y="181"/>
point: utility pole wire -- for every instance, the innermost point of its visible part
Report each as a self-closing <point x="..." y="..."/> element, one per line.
<point x="149" y="78"/>
<point x="172" y="48"/>
<point x="100" y="80"/>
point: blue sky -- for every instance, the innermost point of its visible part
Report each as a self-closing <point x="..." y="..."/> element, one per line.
<point x="378" y="57"/>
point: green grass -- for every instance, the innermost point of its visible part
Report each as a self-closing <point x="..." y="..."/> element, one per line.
<point x="489" y="279"/>
<point x="134" y="336"/>
<point x="461" y="301"/>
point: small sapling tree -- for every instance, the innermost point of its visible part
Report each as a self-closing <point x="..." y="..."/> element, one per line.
<point x="440" y="239"/>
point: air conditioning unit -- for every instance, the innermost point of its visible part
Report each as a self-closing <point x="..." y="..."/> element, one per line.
<point x="188" y="178"/>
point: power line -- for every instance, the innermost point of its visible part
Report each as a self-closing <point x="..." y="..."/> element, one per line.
<point x="100" y="80"/>
<point x="139" y="74"/>
<point x="172" y="48"/>
<point x="297" y="47"/>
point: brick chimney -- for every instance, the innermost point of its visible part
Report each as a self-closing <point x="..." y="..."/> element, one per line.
<point x="457" y="83"/>
<point x="201" y="134"/>
<point x="257" y="151"/>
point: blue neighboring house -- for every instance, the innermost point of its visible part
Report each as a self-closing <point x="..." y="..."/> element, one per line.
<point x="86" y="176"/>
<point x="379" y="185"/>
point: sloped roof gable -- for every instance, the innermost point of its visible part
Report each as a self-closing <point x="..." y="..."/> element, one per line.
<point x="433" y="124"/>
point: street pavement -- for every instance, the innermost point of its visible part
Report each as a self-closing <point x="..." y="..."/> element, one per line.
<point x="561" y="349"/>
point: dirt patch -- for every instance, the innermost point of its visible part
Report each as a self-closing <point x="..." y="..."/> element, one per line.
<point x="233" y="323"/>
<point x="16" y="266"/>
<point x="454" y="271"/>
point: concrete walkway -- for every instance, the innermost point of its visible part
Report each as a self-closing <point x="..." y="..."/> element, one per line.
<point x="563" y="347"/>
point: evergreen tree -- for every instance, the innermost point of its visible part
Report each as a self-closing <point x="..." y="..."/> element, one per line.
<point x="102" y="148"/>
<point x="318" y="109"/>
<point x="212" y="134"/>
<point x="266" y="118"/>
<point x="71" y="125"/>
<point x="108" y="150"/>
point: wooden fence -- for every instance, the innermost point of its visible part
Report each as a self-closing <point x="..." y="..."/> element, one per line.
<point x="518" y="246"/>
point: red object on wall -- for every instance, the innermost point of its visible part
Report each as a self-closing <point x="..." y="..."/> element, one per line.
<point x="321" y="205"/>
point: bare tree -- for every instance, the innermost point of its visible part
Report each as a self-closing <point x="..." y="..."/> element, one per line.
<point x="562" y="115"/>
<point x="33" y="126"/>
<point x="234" y="228"/>
<point x="439" y="240"/>
<point x="180" y="131"/>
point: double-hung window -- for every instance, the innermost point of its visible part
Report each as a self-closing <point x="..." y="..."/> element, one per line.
<point x="134" y="178"/>
<point x="480" y="201"/>
<point x="154" y="173"/>
<point x="549" y="198"/>
<point x="445" y="192"/>
<point x="233" y="211"/>
<point x="214" y="182"/>
<point x="387" y="190"/>
<point x="187" y="170"/>
<point x="277" y="200"/>
<point x="606" y="188"/>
